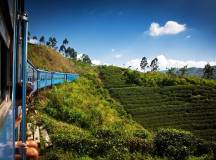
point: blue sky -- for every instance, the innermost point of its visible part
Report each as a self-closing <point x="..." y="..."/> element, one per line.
<point x="121" y="32"/>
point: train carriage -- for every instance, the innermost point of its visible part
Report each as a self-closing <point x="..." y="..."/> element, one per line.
<point x="12" y="49"/>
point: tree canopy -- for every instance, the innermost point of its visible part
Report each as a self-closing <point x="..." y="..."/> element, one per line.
<point x="42" y="40"/>
<point x="143" y="63"/>
<point x="85" y="58"/>
<point x="154" y="64"/>
<point x="208" y="71"/>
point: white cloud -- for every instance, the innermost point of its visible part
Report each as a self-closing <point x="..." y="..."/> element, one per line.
<point x="96" y="62"/>
<point x="165" y="62"/>
<point x="79" y="56"/>
<point x="134" y="63"/>
<point x="33" y="41"/>
<point x="118" y="56"/>
<point x="170" y="28"/>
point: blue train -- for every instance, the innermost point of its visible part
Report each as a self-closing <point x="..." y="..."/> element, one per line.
<point x="18" y="77"/>
<point x="38" y="78"/>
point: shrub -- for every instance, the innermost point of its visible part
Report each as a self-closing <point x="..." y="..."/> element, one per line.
<point x="106" y="133"/>
<point x="142" y="133"/>
<point x="175" y="144"/>
<point x="135" y="144"/>
<point x="133" y="77"/>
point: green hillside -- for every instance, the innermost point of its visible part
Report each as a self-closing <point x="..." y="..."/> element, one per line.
<point x="49" y="59"/>
<point x="85" y="122"/>
<point x="190" y="108"/>
<point x="189" y="103"/>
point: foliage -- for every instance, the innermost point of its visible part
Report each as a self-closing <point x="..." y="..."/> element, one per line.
<point x="183" y="70"/>
<point x="171" y="71"/>
<point x="62" y="48"/>
<point x="52" y="42"/>
<point x="42" y="40"/>
<point x="132" y="77"/>
<point x="208" y="71"/>
<point x="46" y="58"/>
<point x="143" y="63"/>
<point x="187" y="107"/>
<point x="106" y="131"/>
<point x="120" y="77"/>
<point x="85" y="58"/>
<point x="154" y="65"/>
<point x="65" y="41"/>
<point x="175" y="144"/>
<point x="70" y="52"/>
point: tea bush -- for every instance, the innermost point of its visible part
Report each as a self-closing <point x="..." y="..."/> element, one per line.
<point x="176" y="144"/>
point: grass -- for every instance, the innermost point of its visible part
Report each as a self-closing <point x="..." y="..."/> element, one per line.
<point x="46" y="58"/>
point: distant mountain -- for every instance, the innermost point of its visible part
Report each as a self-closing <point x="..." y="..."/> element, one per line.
<point x="193" y="71"/>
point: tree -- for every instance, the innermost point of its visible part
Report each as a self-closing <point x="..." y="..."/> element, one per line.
<point x="42" y="40"/>
<point x="62" y="49"/>
<point x="154" y="64"/>
<point x="52" y="42"/>
<point x="34" y="37"/>
<point x="48" y="43"/>
<point x="143" y="63"/>
<point x="208" y="71"/>
<point x="65" y="41"/>
<point x="85" y="58"/>
<point x="171" y="71"/>
<point x="70" y="52"/>
<point x="132" y="77"/>
<point x="183" y="70"/>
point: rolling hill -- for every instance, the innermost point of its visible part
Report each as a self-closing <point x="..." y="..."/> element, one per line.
<point x="190" y="106"/>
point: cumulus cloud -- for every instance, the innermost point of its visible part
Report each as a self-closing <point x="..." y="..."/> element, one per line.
<point x="170" y="28"/>
<point x="79" y="56"/>
<point x="33" y="41"/>
<point x="165" y="63"/>
<point x="134" y="63"/>
<point x="118" y="56"/>
<point x="96" y="62"/>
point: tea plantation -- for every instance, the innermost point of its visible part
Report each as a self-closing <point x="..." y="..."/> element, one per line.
<point x="190" y="106"/>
